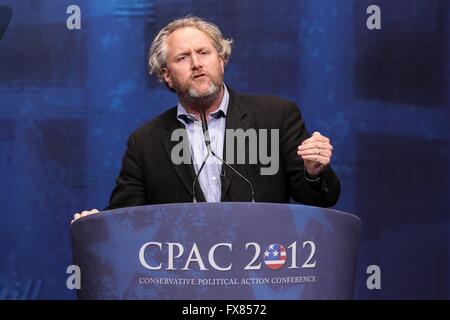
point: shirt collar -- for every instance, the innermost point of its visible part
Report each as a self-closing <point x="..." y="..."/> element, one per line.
<point x="186" y="118"/>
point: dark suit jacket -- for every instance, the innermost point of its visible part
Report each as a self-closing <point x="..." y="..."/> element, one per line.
<point x="148" y="176"/>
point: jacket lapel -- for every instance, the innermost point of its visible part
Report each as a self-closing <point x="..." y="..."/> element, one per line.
<point x="185" y="172"/>
<point x="236" y="119"/>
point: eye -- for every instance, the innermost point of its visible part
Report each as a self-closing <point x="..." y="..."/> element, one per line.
<point x="204" y="52"/>
<point x="181" y="58"/>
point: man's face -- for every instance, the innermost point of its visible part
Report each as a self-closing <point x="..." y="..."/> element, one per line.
<point x="194" y="68"/>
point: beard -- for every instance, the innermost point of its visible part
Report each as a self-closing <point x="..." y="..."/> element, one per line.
<point x="211" y="90"/>
<point x="200" y="97"/>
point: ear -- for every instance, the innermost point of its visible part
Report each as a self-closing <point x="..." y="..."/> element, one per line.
<point x="222" y="64"/>
<point x="166" y="76"/>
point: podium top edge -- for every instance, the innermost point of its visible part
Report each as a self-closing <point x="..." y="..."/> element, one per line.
<point x="221" y="204"/>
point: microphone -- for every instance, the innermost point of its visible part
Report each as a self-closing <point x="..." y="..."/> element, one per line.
<point x="194" y="199"/>
<point x="210" y="151"/>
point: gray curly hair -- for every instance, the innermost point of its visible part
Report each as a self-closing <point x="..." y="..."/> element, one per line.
<point x="158" y="51"/>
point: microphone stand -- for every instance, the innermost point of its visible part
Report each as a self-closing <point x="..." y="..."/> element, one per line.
<point x="210" y="151"/>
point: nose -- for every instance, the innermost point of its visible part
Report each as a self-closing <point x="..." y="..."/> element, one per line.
<point x="195" y="61"/>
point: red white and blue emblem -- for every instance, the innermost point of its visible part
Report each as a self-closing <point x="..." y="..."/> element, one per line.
<point x="274" y="256"/>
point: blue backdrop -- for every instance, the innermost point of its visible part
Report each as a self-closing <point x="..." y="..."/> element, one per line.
<point x="69" y="99"/>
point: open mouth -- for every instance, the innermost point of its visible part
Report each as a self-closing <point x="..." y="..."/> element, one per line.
<point x="199" y="76"/>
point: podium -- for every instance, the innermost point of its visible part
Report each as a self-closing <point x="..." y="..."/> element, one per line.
<point x="216" y="251"/>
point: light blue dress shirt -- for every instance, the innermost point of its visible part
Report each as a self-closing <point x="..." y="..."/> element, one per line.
<point x="209" y="178"/>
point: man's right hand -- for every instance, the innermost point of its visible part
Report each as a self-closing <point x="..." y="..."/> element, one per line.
<point x="83" y="214"/>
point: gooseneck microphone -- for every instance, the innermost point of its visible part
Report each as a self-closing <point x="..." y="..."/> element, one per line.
<point x="210" y="151"/>
<point x="208" y="147"/>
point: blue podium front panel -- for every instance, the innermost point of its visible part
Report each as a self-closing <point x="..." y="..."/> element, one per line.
<point x="217" y="251"/>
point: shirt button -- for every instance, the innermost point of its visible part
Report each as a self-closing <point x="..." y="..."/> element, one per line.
<point x="214" y="178"/>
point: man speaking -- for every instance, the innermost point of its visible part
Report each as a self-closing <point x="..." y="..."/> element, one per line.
<point x="217" y="144"/>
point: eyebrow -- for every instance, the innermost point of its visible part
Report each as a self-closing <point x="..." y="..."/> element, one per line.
<point x="186" y="52"/>
<point x="182" y="53"/>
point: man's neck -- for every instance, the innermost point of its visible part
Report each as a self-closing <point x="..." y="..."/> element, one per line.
<point x="209" y="104"/>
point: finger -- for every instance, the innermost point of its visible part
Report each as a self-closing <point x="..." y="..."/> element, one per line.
<point x="315" y="151"/>
<point x="320" y="159"/>
<point x="72" y="221"/>
<point x="309" y="140"/>
<point x="307" y="145"/>
<point x="319" y="137"/>
<point x="316" y="138"/>
<point x="311" y="145"/>
<point x="315" y="145"/>
<point x="312" y="157"/>
<point x="86" y="213"/>
<point x="309" y="151"/>
<point x="317" y="160"/>
<point x="89" y="212"/>
<point x="76" y="216"/>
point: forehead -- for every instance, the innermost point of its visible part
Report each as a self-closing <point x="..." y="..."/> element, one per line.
<point x="187" y="38"/>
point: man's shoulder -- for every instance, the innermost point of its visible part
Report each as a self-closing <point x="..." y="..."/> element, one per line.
<point x="262" y="102"/>
<point x="158" y="124"/>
